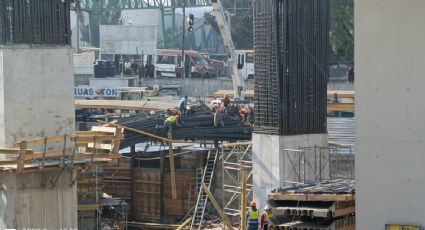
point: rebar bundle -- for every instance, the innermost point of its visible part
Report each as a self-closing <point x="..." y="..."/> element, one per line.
<point x="291" y="42"/>
<point x="198" y="125"/>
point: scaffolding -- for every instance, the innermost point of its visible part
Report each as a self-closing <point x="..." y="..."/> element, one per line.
<point x="317" y="163"/>
<point x="236" y="157"/>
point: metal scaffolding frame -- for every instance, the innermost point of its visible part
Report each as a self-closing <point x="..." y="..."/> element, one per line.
<point x="305" y="161"/>
<point x="236" y="157"/>
<point x="307" y="164"/>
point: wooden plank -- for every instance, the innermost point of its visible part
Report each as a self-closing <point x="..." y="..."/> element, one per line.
<point x="98" y="155"/>
<point x="100" y="146"/>
<point x="243" y="200"/>
<point x="172" y="169"/>
<point x="98" y="138"/>
<point x="103" y="129"/>
<point x="22" y="155"/>
<point x="340" y="107"/>
<point x="125" y="105"/>
<point x="14" y="151"/>
<point x="41" y="141"/>
<point x="237" y="144"/>
<point x="138" y="131"/>
<point x="311" y="197"/>
<point x="186" y="222"/>
<point x="8" y="162"/>
<point x="223" y="216"/>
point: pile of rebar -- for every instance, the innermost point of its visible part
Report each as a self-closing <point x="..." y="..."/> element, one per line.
<point x="198" y="125"/>
<point x="291" y="42"/>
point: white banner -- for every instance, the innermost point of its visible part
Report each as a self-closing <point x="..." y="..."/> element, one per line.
<point x="131" y="40"/>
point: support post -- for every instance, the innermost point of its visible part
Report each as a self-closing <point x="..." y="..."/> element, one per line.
<point x="161" y="186"/>
<point x="133" y="153"/>
<point x="243" y="199"/>
<point x="223" y="216"/>
<point x="21" y="158"/>
<point x="172" y="169"/>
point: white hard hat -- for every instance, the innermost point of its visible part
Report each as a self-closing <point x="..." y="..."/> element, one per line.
<point x="152" y="112"/>
<point x="267" y="207"/>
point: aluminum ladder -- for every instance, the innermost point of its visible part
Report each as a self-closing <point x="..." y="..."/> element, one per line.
<point x="202" y="199"/>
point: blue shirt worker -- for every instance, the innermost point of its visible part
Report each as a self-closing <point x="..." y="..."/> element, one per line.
<point x="183" y="105"/>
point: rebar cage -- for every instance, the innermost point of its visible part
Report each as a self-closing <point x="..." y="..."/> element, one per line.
<point x="291" y="43"/>
<point x="42" y="22"/>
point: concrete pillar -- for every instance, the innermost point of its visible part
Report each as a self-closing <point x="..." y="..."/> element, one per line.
<point x="36" y="100"/>
<point x="26" y="204"/>
<point x="390" y="127"/>
<point x="272" y="165"/>
<point x="36" y="93"/>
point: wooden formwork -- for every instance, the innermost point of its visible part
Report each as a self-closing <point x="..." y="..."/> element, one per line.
<point x="99" y="145"/>
<point x="147" y="197"/>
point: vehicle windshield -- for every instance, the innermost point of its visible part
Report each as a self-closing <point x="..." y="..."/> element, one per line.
<point x="199" y="60"/>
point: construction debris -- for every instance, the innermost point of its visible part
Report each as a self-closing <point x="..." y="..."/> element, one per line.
<point x="323" y="205"/>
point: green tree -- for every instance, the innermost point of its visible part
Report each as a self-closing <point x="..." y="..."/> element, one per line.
<point x="341" y="34"/>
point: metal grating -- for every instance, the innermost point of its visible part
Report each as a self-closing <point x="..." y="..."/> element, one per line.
<point x="44" y="22"/>
<point x="291" y="42"/>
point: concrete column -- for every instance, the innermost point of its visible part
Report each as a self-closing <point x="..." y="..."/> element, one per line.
<point x="26" y="204"/>
<point x="36" y="93"/>
<point x="390" y="127"/>
<point x="272" y="165"/>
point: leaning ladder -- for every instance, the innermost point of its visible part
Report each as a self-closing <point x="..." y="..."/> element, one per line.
<point x="201" y="202"/>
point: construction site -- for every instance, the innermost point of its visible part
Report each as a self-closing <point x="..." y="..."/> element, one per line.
<point x="146" y="114"/>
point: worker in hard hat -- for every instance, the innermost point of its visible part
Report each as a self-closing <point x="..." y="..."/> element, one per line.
<point x="252" y="216"/>
<point x="265" y="218"/>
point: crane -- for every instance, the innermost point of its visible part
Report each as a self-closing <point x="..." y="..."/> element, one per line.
<point x="235" y="64"/>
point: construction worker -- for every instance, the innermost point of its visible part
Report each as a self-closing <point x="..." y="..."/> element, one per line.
<point x="170" y="122"/>
<point x="265" y="218"/>
<point x="252" y="216"/>
<point x="182" y="105"/>
<point x="226" y="104"/>
<point x="218" y="115"/>
<point x="245" y="113"/>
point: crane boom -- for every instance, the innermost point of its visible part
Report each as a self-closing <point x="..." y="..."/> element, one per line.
<point x="238" y="80"/>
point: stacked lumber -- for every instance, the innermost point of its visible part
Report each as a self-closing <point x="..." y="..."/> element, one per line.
<point x="325" y="205"/>
<point x="199" y="125"/>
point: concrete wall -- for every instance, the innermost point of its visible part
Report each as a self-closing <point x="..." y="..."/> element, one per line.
<point x="36" y="93"/>
<point x="390" y="127"/>
<point x="272" y="166"/>
<point x="25" y="204"/>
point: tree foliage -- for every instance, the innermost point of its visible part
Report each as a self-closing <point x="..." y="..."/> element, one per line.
<point x="342" y="30"/>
